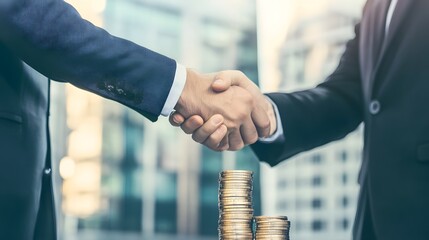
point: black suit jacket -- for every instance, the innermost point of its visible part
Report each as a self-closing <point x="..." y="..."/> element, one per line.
<point x="50" y="37"/>
<point x="387" y="88"/>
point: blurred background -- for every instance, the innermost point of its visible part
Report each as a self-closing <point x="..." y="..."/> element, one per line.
<point x="119" y="176"/>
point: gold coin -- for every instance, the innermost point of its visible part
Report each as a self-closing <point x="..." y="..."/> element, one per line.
<point x="235" y="215"/>
<point x="233" y="210"/>
<point x="271" y="218"/>
<point x="272" y="224"/>
<point x="235" y="191"/>
<point x="236" y="172"/>
<point x="236" y="180"/>
<point x="272" y="237"/>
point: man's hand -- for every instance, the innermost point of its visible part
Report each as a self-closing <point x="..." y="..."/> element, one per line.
<point x="223" y="83"/>
<point x="212" y="133"/>
<point x="241" y="115"/>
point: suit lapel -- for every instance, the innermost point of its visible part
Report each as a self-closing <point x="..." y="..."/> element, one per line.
<point x="379" y="29"/>
<point x="402" y="8"/>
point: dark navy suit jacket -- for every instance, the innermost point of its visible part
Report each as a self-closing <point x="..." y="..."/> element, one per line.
<point x="386" y="86"/>
<point x="49" y="37"/>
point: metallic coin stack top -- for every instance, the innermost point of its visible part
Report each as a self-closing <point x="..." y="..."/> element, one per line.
<point x="273" y="228"/>
<point x="235" y="205"/>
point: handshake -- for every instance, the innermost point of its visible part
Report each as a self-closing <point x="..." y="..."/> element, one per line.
<point x="223" y="111"/>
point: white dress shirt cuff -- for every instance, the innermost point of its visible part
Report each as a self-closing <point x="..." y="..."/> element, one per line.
<point x="175" y="90"/>
<point x="278" y="134"/>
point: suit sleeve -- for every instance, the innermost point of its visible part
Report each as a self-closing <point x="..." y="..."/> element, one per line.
<point x="317" y="116"/>
<point x="51" y="37"/>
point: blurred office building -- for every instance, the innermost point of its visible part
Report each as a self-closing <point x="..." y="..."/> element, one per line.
<point x="123" y="177"/>
<point x="317" y="190"/>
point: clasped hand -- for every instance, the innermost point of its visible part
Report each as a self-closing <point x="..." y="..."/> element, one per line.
<point x="223" y="111"/>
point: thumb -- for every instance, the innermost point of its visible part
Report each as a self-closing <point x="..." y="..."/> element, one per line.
<point x="221" y="84"/>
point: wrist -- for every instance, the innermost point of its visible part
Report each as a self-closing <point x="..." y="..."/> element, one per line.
<point x="194" y="94"/>
<point x="187" y="89"/>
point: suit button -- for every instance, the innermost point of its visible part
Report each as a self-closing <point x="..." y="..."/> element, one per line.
<point x="374" y="107"/>
<point x="47" y="171"/>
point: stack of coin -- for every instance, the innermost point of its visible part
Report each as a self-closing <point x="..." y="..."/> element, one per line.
<point x="273" y="228"/>
<point x="235" y="205"/>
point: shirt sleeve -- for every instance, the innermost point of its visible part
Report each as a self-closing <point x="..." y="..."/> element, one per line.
<point x="175" y="91"/>
<point x="277" y="136"/>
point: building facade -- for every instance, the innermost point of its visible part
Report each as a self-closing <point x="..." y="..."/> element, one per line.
<point x="132" y="178"/>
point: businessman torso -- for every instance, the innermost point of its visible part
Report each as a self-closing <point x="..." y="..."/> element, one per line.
<point x="382" y="81"/>
<point x="51" y="37"/>
<point x="396" y="95"/>
<point x="395" y="83"/>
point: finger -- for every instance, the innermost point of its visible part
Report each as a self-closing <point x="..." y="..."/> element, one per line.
<point x="261" y="121"/>
<point x="224" y="144"/>
<point x="221" y="84"/>
<point x="248" y="132"/>
<point x="235" y="140"/>
<point x="192" y="124"/>
<point x="231" y="78"/>
<point x="176" y="119"/>
<point x="226" y="79"/>
<point x="215" y="139"/>
<point x="202" y="133"/>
